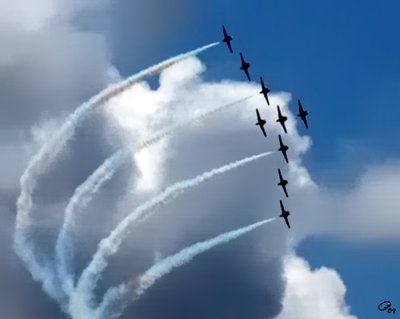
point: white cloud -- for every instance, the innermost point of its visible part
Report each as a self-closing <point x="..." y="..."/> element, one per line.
<point x="312" y="294"/>
<point x="32" y="16"/>
<point x="48" y="65"/>
<point x="46" y="69"/>
<point x="26" y="15"/>
<point x="367" y="211"/>
<point x="141" y="112"/>
<point x="371" y="210"/>
<point x="53" y="63"/>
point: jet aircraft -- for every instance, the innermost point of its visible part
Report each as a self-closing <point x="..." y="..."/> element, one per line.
<point x="261" y="122"/>
<point x="245" y="66"/>
<point x="227" y="39"/>
<point x="285" y="214"/>
<point x="281" y="119"/>
<point x="282" y="182"/>
<point x="264" y="90"/>
<point x="302" y="113"/>
<point x="283" y="148"/>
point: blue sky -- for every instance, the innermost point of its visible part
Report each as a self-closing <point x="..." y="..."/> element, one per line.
<point x="342" y="59"/>
<point x="368" y="270"/>
<point x="339" y="57"/>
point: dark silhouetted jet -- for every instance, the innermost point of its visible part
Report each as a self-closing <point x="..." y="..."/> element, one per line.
<point x="264" y="90"/>
<point x="302" y="113"/>
<point x="261" y="122"/>
<point x="282" y="182"/>
<point x="285" y="214"/>
<point x="227" y="39"/>
<point x="281" y="119"/>
<point x="245" y="66"/>
<point x="283" y="148"/>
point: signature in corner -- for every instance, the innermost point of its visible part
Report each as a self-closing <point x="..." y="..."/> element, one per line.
<point x="386" y="306"/>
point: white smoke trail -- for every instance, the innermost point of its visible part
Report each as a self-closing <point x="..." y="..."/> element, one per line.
<point x="81" y="197"/>
<point x="188" y="122"/>
<point x="110" y="245"/>
<point x="137" y="287"/>
<point x="84" y="193"/>
<point x="49" y="151"/>
<point x="166" y="265"/>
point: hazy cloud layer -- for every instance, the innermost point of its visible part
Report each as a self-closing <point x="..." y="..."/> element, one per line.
<point x="47" y="67"/>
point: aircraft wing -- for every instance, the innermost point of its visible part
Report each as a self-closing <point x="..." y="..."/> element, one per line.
<point x="247" y="74"/>
<point x="285" y="156"/>
<point x="227" y="39"/>
<point x="229" y="46"/>
<point x="300" y="106"/>
<point x="281" y="119"/>
<point x="280" y="141"/>
<point x="287" y="221"/>
<point x="285" y="190"/>
<point x="263" y="130"/>
<point x="258" y="115"/>
<point x="305" y="121"/>
<point x="279" y="111"/>
<point x="223" y="29"/>
<point x="284" y="127"/>
<point x="302" y="113"/>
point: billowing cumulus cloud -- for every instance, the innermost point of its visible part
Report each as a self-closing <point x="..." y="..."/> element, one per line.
<point x="371" y="209"/>
<point x="49" y="66"/>
<point x="366" y="211"/>
<point x="141" y="112"/>
<point x="312" y="294"/>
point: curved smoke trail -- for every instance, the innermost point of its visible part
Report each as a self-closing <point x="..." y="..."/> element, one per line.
<point x="166" y="265"/>
<point x="135" y="288"/>
<point x="22" y="244"/>
<point x="82" y="295"/>
<point x="81" y="197"/>
<point x="84" y="193"/>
